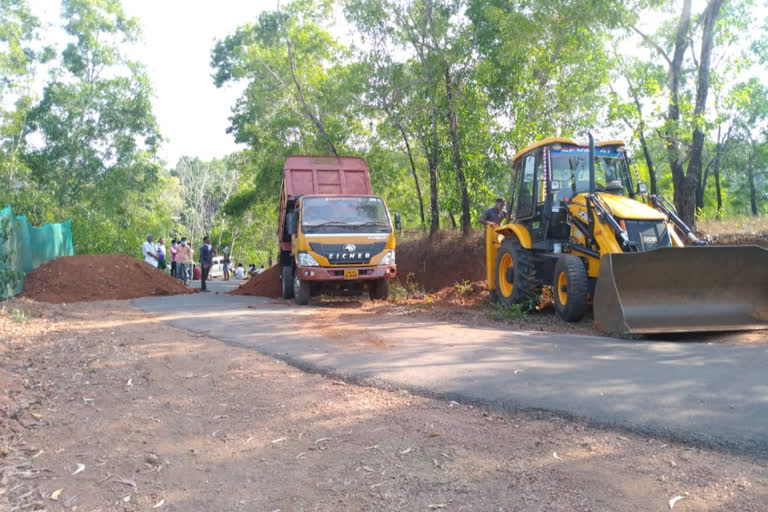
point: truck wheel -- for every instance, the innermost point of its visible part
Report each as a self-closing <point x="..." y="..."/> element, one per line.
<point x="378" y="289"/>
<point x="302" y="291"/>
<point x="569" y="286"/>
<point x="515" y="273"/>
<point x="286" y="279"/>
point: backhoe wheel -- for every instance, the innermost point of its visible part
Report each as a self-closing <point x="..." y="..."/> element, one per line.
<point x="515" y="273"/>
<point x="378" y="289"/>
<point x="302" y="291"/>
<point x="286" y="278"/>
<point x="569" y="287"/>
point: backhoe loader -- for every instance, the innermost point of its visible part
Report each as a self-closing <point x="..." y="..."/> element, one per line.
<point x="580" y="224"/>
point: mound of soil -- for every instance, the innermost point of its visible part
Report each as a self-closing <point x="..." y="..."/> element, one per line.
<point x="443" y="260"/>
<point x="266" y="284"/>
<point x="89" y="277"/>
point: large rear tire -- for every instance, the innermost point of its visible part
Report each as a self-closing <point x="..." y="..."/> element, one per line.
<point x="378" y="289"/>
<point x="515" y="273"/>
<point x="569" y="286"/>
<point x="286" y="279"/>
<point x="302" y="291"/>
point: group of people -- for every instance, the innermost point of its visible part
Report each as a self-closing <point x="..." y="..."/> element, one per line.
<point x="182" y="265"/>
<point x="181" y="262"/>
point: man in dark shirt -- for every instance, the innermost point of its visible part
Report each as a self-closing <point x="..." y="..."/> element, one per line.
<point x="494" y="215"/>
<point x="206" y="261"/>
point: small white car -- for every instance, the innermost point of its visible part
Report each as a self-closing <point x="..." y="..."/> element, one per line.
<point x="217" y="269"/>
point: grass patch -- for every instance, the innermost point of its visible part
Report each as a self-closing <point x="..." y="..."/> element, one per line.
<point x="515" y="312"/>
<point x="508" y="312"/>
<point x="410" y="290"/>
<point x="463" y="287"/>
<point x="19" y="316"/>
<point x="733" y="225"/>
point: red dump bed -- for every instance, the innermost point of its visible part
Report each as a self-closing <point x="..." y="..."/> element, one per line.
<point x="326" y="175"/>
<point x="319" y="175"/>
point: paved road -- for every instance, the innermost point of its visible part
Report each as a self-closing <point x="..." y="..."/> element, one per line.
<point x="705" y="393"/>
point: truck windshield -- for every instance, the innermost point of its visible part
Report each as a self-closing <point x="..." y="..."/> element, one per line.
<point x="571" y="169"/>
<point x="346" y="214"/>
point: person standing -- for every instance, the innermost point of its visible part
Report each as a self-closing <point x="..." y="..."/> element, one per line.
<point x="172" y="250"/>
<point x="494" y="215"/>
<point x="148" y="251"/>
<point x="206" y="261"/>
<point x="160" y="251"/>
<point x="183" y="259"/>
<point x="226" y="263"/>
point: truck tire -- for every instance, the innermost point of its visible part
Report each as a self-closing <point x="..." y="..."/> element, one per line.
<point x="515" y="273"/>
<point x="302" y="291"/>
<point x="569" y="287"/>
<point x="286" y="280"/>
<point x="378" y="289"/>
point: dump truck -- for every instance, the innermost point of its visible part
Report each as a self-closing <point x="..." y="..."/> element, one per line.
<point x="334" y="235"/>
<point x="580" y="224"/>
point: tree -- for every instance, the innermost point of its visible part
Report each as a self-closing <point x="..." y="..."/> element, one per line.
<point x="752" y="130"/>
<point x="679" y="151"/>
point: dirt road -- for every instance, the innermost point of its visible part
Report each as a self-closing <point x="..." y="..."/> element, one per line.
<point x="707" y="393"/>
<point x="106" y="408"/>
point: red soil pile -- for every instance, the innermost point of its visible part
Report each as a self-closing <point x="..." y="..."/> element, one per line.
<point x="266" y="284"/>
<point x="88" y="277"/>
<point x="442" y="261"/>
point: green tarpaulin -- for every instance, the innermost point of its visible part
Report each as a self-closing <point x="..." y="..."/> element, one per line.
<point x="23" y="247"/>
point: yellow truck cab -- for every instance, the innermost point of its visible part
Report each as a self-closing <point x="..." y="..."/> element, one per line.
<point x="334" y="235"/>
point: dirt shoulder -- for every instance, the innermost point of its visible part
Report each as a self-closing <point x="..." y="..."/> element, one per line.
<point x="103" y="407"/>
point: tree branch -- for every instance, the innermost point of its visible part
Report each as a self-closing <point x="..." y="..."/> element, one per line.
<point x="317" y="122"/>
<point x="653" y="45"/>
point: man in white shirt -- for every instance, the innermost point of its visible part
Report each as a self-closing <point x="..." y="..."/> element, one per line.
<point x="148" y="251"/>
<point x="240" y="272"/>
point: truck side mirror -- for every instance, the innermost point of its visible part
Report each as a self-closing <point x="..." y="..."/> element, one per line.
<point x="398" y="222"/>
<point x="642" y="188"/>
<point x="292" y="223"/>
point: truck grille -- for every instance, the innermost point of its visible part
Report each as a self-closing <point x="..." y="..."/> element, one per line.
<point x="348" y="254"/>
<point x="648" y="235"/>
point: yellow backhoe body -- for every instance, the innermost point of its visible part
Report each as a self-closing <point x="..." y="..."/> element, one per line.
<point x="621" y="250"/>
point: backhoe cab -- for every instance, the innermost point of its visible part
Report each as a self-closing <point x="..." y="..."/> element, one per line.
<point x="580" y="224"/>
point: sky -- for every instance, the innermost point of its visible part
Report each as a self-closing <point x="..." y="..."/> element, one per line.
<point x="177" y="39"/>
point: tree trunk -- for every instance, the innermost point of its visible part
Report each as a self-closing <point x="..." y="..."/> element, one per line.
<point x="413" y="171"/>
<point x="702" y="90"/>
<point x="432" y="157"/>
<point x="683" y="203"/>
<point x="453" y="125"/>
<point x="453" y="220"/>
<point x="701" y="187"/>
<point x="434" y="225"/>
<point x="648" y="161"/>
<point x="719" y="192"/>
<point x="752" y="189"/>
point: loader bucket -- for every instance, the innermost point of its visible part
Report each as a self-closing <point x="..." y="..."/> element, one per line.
<point x="683" y="289"/>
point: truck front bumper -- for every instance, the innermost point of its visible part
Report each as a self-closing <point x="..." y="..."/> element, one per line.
<point x="337" y="273"/>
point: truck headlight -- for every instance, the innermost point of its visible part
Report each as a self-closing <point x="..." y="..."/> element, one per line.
<point x="389" y="258"/>
<point x="306" y="260"/>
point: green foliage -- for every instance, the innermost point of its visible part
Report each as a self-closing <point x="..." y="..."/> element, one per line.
<point x="462" y="287"/>
<point x="508" y="312"/>
<point x="514" y="312"/>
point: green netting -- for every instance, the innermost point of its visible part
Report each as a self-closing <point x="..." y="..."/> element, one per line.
<point x="23" y="247"/>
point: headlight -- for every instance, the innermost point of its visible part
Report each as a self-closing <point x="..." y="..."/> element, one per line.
<point x="389" y="258"/>
<point x="306" y="260"/>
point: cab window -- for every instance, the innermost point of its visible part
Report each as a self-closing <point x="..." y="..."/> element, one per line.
<point x="527" y="186"/>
